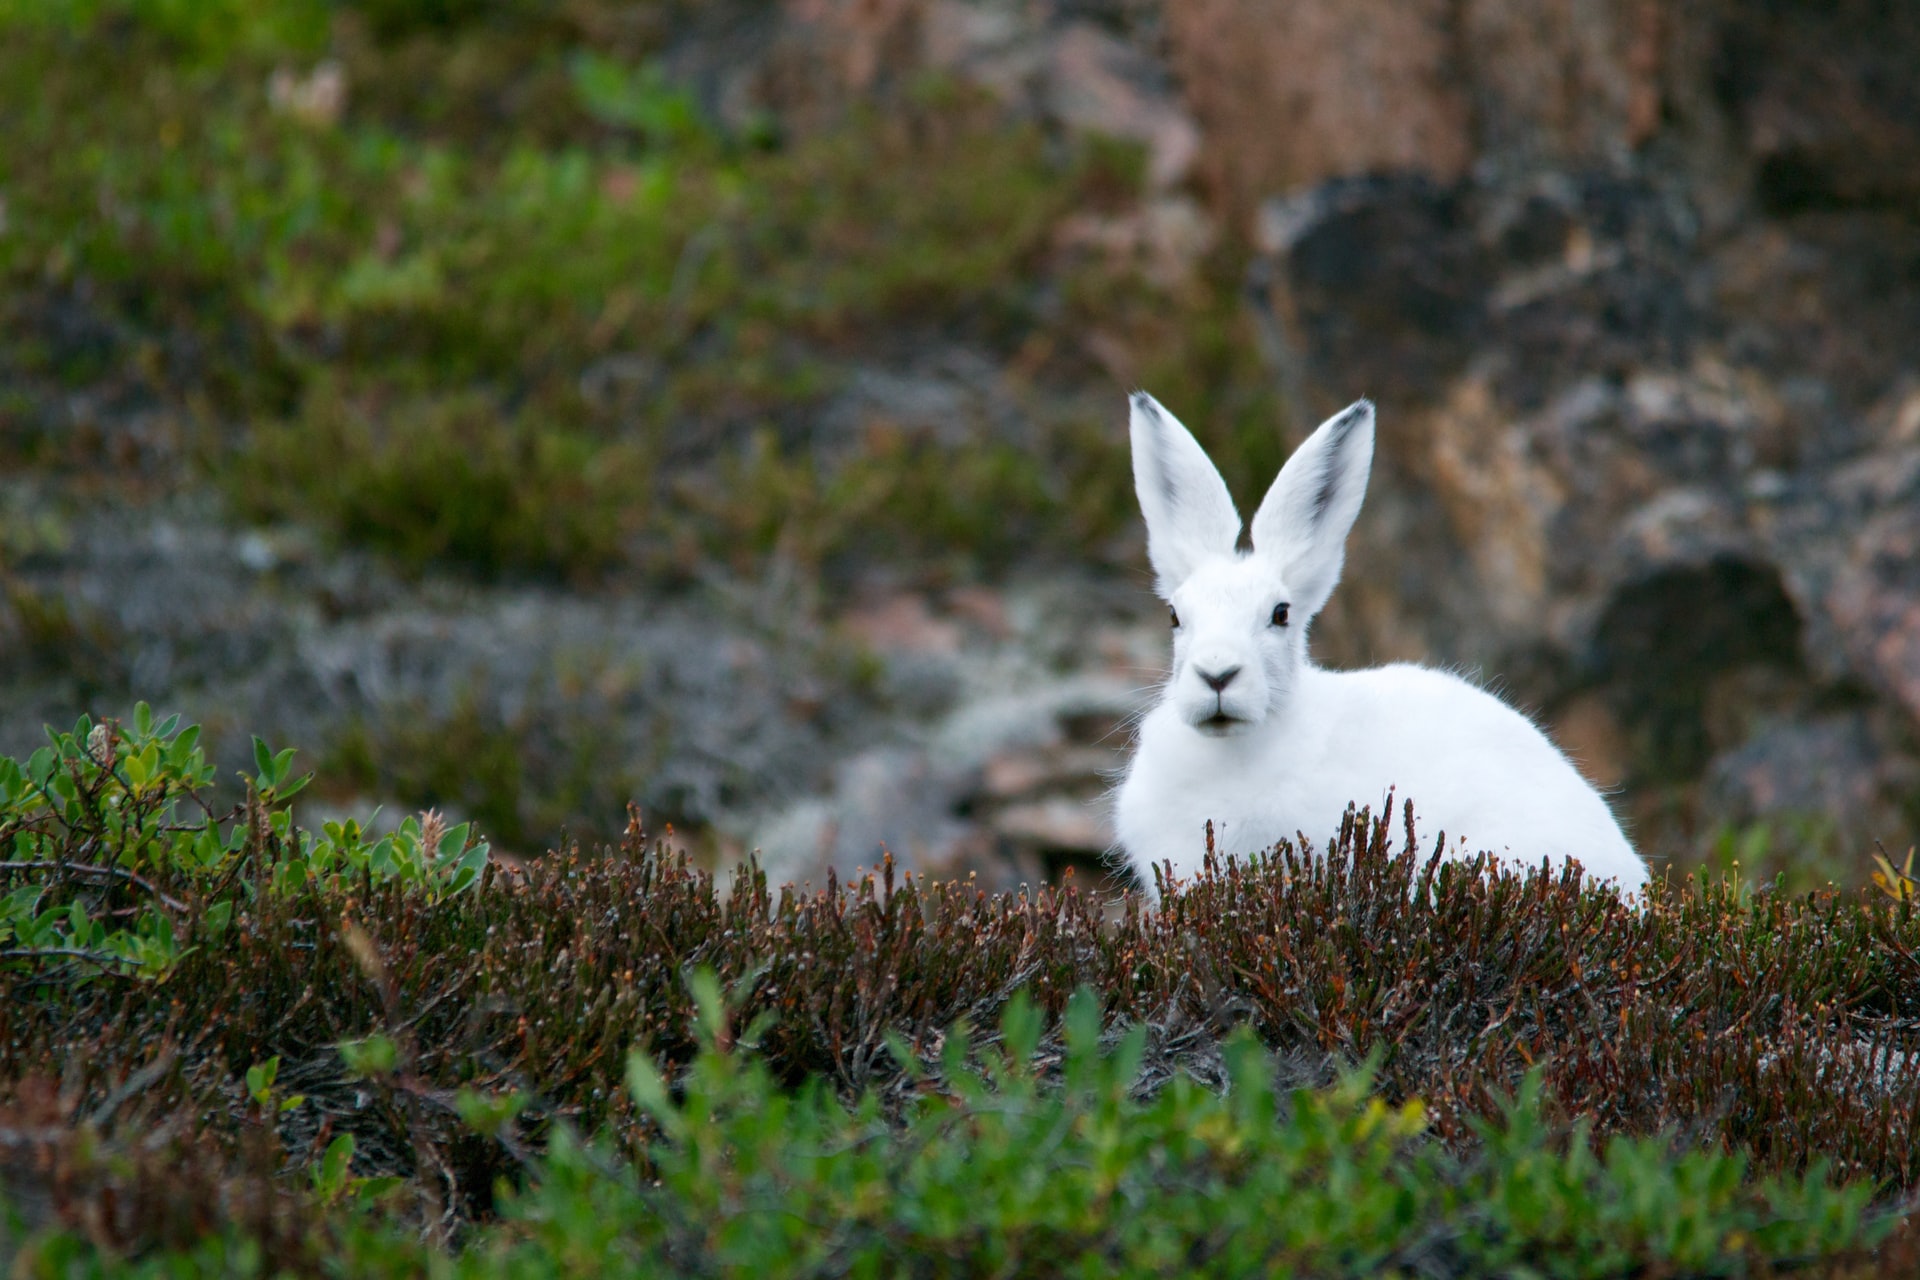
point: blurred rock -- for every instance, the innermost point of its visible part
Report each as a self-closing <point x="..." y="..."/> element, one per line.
<point x="1058" y="823"/>
<point x="1875" y="599"/>
<point x="1292" y="92"/>
<point x="1833" y="769"/>
<point x="1564" y="79"/>
<point x="1827" y="96"/>
<point x="1818" y="102"/>
<point x="1096" y="82"/>
<point x="1608" y="466"/>
<point x="1011" y="782"/>
<point x="1084" y="68"/>
<point x="676" y="705"/>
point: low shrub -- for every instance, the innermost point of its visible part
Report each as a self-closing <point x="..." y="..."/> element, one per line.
<point x="1042" y="1160"/>
<point x="113" y="860"/>
<point x="223" y="979"/>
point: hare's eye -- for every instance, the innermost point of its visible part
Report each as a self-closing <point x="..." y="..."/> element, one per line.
<point x="1280" y="615"/>
<point x="1173" y="615"/>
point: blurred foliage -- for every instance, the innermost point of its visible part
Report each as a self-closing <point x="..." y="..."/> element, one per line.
<point x="1802" y="851"/>
<point x="531" y="781"/>
<point x="474" y="283"/>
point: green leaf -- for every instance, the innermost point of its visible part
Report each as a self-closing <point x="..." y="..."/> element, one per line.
<point x="649" y="1091"/>
<point x="704" y="985"/>
<point x="488" y="1113"/>
<point x="40" y="767"/>
<point x="330" y="1178"/>
<point x="260" y="1079"/>
<point x="371" y="1058"/>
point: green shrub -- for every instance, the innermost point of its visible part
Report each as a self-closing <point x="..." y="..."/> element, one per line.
<point x="452" y="481"/>
<point x="114" y="861"/>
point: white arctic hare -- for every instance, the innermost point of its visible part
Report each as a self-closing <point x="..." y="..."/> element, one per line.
<point x="1251" y="736"/>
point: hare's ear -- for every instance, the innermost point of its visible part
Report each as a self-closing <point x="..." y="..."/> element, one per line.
<point x="1189" y="513"/>
<point x="1302" y="523"/>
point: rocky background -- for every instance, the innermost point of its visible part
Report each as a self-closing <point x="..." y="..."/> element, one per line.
<point x="1635" y="284"/>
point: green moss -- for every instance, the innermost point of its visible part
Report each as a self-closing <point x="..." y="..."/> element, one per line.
<point x="465" y="760"/>
<point x="529" y="782"/>
<point x="54" y="636"/>
<point x="453" y="480"/>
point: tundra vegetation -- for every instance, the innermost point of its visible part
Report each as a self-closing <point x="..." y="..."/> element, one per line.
<point x="231" y="1046"/>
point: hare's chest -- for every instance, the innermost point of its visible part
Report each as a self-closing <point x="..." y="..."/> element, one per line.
<point x="1168" y="803"/>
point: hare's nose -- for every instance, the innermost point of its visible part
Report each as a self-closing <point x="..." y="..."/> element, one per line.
<point x="1218" y="681"/>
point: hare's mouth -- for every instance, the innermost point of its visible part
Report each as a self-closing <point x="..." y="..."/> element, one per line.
<point x="1220" y="724"/>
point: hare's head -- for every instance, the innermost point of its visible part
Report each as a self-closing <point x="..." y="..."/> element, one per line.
<point x="1240" y="616"/>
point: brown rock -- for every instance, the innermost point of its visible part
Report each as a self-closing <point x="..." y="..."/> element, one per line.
<point x="1012" y="775"/>
<point x="902" y="624"/>
<point x="1564" y="79"/>
<point x="1590" y="735"/>
<point x="1061" y="824"/>
<point x="1876" y="603"/>
<point x="1828" y="771"/>
<point x="1828" y="98"/>
<point x="1098" y="82"/>
<point x="1672" y="491"/>
<point x="1292" y="92"/>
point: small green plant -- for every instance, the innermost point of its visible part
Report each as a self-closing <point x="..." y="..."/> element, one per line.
<point x="260" y="1078"/>
<point x="640" y="99"/>
<point x="334" y="1183"/>
<point x="114" y="858"/>
<point x="373" y="1058"/>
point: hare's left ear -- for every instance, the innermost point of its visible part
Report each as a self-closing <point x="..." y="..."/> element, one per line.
<point x="1189" y="512"/>
<point x="1302" y="524"/>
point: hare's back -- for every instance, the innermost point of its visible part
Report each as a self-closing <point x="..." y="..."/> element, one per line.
<point x="1476" y="768"/>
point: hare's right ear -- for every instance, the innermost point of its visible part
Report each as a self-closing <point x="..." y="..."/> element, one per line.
<point x="1302" y="523"/>
<point x="1189" y="513"/>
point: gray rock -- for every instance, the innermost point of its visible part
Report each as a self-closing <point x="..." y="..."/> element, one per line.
<point x="1614" y="459"/>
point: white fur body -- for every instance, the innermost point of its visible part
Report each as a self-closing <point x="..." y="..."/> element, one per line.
<point x="1250" y="736"/>
<point x="1473" y="767"/>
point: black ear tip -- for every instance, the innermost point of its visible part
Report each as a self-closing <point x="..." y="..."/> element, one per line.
<point x="1342" y="424"/>
<point x="1139" y="399"/>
